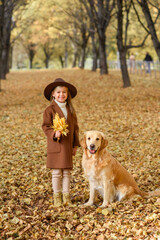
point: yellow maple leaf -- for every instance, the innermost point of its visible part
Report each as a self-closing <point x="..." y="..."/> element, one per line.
<point x="59" y="124"/>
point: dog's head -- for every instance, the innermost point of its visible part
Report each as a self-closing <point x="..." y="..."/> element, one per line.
<point x="94" y="141"/>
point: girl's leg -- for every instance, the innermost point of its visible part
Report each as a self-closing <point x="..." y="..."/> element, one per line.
<point x="66" y="186"/>
<point x="66" y="181"/>
<point x="57" y="186"/>
<point x="57" y="180"/>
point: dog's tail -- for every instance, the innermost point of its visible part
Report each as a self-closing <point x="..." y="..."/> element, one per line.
<point x="154" y="193"/>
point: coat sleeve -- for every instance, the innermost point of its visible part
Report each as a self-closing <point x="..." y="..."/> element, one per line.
<point x="76" y="142"/>
<point x="47" y="123"/>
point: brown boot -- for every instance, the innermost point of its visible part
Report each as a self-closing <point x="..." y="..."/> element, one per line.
<point x="58" y="199"/>
<point x="66" y="199"/>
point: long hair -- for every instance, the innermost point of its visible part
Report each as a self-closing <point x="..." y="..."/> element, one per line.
<point x="69" y="101"/>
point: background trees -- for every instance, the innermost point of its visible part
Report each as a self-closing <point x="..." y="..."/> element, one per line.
<point x="66" y="33"/>
<point x="124" y="43"/>
<point x="1" y="34"/>
<point x="100" y="13"/>
<point x="77" y="30"/>
<point x="151" y="20"/>
<point x="6" y="11"/>
<point x="122" y="38"/>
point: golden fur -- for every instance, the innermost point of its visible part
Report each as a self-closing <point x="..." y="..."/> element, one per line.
<point x="105" y="173"/>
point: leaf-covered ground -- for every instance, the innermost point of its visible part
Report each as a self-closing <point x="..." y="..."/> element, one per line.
<point x="130" y="119"/>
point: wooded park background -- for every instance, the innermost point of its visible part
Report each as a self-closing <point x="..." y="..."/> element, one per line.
<point x="65" y="33"/>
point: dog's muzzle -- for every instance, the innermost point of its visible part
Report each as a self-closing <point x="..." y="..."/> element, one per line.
<point x="92" y="149"/>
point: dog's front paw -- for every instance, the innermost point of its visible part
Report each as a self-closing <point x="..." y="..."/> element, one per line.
<point x="88" y="203"/>
<point x="104" y="204"/>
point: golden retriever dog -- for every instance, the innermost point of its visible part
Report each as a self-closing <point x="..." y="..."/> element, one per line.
<point x="105" y="173"/>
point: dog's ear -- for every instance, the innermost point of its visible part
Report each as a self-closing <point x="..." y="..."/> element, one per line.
<point x="83" y="142"/>
<point x="104" y="141"/>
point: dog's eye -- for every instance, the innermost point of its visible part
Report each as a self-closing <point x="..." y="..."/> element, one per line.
<point x="97" y="139"/>
<point x="89" y="138"/>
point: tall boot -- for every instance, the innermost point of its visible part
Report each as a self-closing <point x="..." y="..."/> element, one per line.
<point x="58" y="199"/>
<point x="66" y="199"/>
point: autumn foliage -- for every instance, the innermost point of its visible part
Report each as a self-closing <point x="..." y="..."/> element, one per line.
<point x="59" y="124"/>
<point x="129" y="118"/>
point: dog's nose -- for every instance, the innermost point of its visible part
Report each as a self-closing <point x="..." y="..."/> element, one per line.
<point x="92" y="146"/>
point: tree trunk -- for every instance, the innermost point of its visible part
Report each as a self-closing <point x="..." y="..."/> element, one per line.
<point x="4" y="64"/>
<point x="150" y="23"/>
<point x="1" y="36"/>
<point x="121" y="46"/>
<point x="66" y="55"/>
<point x="94" y="51"/>
<point x="47" y="62"/>
<point x="5" y="36"/>
<point x="31" y="53"/>
<point x="83" y="56"/>
<point x="30" y="63"/>
<point x="31" y="59"/>
<point x="94" y="63"/>
<point x="48" y="51"/>
<point x="100" y="14"/>
<point x="85" y="37"/>
<point x="101" y="30"/>
<point x="124" y="69"/>
<point x="74" y="63"/>
<point x="61" y="61"/>
<point x="102" y="55"/>
<point x="5" y="51"/>
<point x="75" y="56"/>
<point x="10" y="58"/>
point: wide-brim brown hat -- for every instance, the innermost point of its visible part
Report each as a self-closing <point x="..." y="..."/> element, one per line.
<point x="56" y="83"/>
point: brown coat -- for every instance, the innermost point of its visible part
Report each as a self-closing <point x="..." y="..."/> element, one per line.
<point x="59" y="154"/>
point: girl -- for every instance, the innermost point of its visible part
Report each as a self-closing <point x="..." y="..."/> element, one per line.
<point x="60" y="149"/>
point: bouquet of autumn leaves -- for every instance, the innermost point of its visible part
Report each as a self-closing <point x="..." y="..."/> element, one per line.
<point x="59" y="124"/>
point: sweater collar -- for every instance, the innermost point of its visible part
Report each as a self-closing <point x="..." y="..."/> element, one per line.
<point x="61" y="105"/>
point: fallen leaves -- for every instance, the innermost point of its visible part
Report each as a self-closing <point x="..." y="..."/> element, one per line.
<point x="107" y="211"/>
<point x="130" y="119"/>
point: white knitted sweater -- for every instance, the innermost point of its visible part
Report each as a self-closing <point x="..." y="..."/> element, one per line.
<point x="62" y="107"/>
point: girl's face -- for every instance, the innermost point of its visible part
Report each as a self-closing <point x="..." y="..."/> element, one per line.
<point x="60" y="94"/>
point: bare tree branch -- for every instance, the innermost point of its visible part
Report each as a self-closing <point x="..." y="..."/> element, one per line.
<point x="127" y="10"/>
<point x="139" y="17"/>
<point x="153" y="5"/>
<point x="139" y="45"/>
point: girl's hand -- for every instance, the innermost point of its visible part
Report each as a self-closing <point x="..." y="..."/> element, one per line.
<point x="74" y="150"/>
<point x="57" y="134"/>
